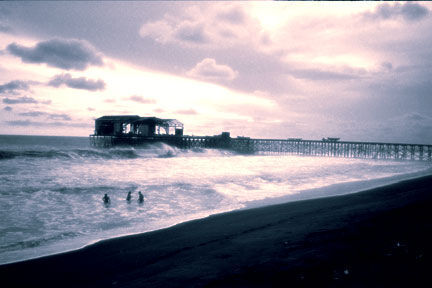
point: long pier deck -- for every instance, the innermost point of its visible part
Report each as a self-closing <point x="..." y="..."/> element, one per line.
<point x="347" y="149"/>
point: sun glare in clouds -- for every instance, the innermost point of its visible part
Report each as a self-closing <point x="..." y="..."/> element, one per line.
<point x="172" y="94"/>
<point x="314" y="45"/>
<point x="165" y="95"/>
<point x="277" y="15"/>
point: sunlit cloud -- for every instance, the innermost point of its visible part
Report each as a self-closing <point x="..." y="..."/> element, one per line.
<point x="186" y="112"/>
<point x="140" y="99"/>
<point x="208" y="69"/>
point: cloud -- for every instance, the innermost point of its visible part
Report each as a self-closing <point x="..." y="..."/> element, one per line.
<point x="186" y="32"/>
<point x="5" y="28"/>
<point x="186" y="112"/>
<point x="233" y="15"/>
<point x="8" y="108"/>
<point x="411" y="127"/>
<point x="208" y="69"/>
<point x="53" y="116"/>
<point x="20" y="100"/>
<point x="203" y="26"/>
<point x="32" y="114"/>
<point x="320" y="74"/>
<point x="27" y="123"/>
<point x="60" y="53"/>
<point x="408" y="11"/>
<point x="190" y="32"/>
<point x="388" y="66"/>
<point x="25" y="100"/>
<point x="60" y="116"/>
<point x="77" y="83"/>
<point x="141" y="99"/>
<point x="13" y="86"/>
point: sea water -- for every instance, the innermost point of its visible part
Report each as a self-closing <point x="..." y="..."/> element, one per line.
<point x="51" y="188"/>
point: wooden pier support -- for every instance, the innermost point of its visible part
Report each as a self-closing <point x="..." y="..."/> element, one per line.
<point x="367" y="150"/>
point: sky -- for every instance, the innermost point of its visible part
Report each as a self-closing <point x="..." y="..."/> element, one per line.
<point x="355" y="70"/>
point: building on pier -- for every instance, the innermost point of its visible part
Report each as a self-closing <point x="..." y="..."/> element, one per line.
<point x="134" y="125"/>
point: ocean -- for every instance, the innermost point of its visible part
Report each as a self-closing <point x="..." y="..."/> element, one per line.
<point x="51" y="188"/>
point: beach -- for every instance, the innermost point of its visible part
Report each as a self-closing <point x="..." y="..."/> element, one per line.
<point x="374" y="238"/>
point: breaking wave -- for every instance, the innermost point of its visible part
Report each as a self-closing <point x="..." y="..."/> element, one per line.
<point x="153" y="151"/>
<point x="69" y="154"/>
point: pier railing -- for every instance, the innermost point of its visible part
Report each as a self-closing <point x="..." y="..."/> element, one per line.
<point x="371" y="150"/>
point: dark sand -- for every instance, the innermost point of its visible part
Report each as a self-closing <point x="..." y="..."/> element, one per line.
<point x="377" y="238"/>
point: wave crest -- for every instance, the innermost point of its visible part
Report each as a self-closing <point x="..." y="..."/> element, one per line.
<point x="152" y="151"/>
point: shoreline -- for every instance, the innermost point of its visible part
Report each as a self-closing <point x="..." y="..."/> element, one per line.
<point x="332" y="190"/>
<point x="323" y="240"/>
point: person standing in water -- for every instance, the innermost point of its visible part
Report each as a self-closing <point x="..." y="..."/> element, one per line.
<point x="129" y="197"/>
<point x="140" y="197"/>
<point x="106" y="199"/>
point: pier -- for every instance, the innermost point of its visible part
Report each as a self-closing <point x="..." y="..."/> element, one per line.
<point x="111" y="131"/>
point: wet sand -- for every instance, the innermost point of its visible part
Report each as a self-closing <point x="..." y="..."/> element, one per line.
<point x="376" y="238"/>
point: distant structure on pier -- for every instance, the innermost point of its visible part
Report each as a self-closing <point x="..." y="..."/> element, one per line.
<point x="133" y="130"/>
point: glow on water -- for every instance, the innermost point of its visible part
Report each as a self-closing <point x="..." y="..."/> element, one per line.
<point x="52" y="204"/>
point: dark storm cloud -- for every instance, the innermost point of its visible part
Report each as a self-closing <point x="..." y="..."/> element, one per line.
<point x="53" y="116"/>
<point x="141" y="99"/>
<point x="20" y="100"/>
<point x="408" y="11"/>
<point x="60" y="53"/>
<point x="13" y="86"/>
<point x="77" y="83"/>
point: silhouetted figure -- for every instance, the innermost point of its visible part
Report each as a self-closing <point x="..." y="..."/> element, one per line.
<point x="129" y="197"/>
<point x="140" y="197"/>
<point x="106" y="199"/>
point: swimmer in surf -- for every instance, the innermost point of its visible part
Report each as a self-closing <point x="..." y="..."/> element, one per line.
<point x="129" y="197"/>
<point x="140" y="197"/>
<point x="106" y="199"/>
